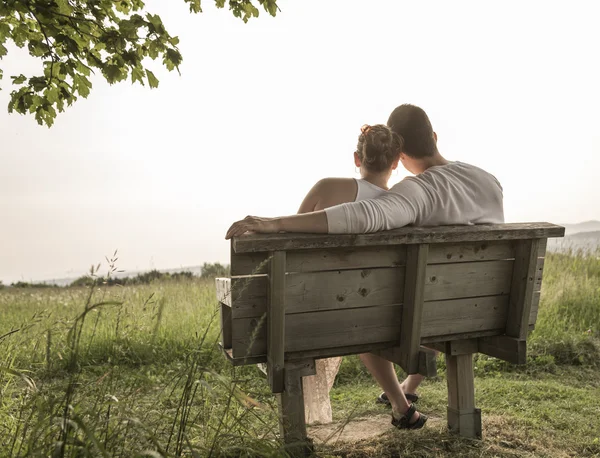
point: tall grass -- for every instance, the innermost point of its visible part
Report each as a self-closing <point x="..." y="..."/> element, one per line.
<point x="136" y="371"/>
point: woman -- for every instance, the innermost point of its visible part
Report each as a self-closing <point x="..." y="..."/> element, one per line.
<point x="377" y="155"/>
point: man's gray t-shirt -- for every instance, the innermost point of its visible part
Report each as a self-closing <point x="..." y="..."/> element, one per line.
<point x="451" y="194"/>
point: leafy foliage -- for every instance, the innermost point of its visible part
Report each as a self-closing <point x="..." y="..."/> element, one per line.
<point x="77" y="38"/>
<point x="145" y="278"/>
<point x="217" y="269"/>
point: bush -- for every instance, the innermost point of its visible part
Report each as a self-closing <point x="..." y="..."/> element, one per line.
<point x="217" y="269"/>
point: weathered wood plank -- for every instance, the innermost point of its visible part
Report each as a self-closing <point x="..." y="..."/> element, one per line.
<point x="320" y="330"/>
<point x="359" y="288"/>
<point x="414" y="284"/>
<point x="223" y="286"/>
<point x="535" y="306"/>
<point x="276" y="322"/>
<point x="332" y="290"/>
<point x="292" y="424"/>
<point x="321" y="259"/>
<point x="456" y="347"/>
<point x="506" y="348"/>
<point x="458" y="316"/>
<point x="469" y="279"/>
<point x="427" y="359"/>
<point x="522" y="288"/>
<point x="406" y="235"/>
<point x="428" y="341"/>
<point x="225" y="325"/>
<point x="470" y="251"/>
<point x="463" y="417"/>
<point x="539" y="272"/>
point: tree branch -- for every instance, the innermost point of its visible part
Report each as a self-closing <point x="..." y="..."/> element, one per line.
<point x="50" y="48"/>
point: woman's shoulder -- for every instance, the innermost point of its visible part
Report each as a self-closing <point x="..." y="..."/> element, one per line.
<point x="336" y="183"/>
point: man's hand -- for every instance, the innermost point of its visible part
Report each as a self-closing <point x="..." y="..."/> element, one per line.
<point x="254" y="224"/>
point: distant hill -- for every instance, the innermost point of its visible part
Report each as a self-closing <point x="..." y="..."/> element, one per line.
<point x="588" y="242"/>
<point x="587" y="226"/>
<point x="196" y="270"/>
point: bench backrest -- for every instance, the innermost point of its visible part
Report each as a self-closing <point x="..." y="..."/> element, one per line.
<point x="294" y="296"/>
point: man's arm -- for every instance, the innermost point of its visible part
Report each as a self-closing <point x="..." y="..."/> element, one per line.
<point x="396" y="208"/>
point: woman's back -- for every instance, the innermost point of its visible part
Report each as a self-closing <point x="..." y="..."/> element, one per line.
<point x="334" y="191"/>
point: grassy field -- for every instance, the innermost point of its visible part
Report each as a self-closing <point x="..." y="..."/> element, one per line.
<point x="135" y="371"/>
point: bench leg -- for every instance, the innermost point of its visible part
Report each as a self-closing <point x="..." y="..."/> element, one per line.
<point x="463" y="417"/>
<point x="292" y="425"/>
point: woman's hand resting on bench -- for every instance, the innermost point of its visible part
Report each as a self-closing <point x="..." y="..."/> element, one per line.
<point x="314" y="222"/>
<point x="254" y="224"/>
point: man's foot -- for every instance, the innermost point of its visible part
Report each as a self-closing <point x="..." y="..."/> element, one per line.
<point x="408" y="420"/>
<point x="383" y="399"/>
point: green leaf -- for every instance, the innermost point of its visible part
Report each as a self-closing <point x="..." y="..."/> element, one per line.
<point x="82" y="85"/>
<point x="3" y="50"/>
<point x="51" y="95"/>
<point x="137" y="74"/>
<point x="19" y="79"/>
<point x="113" y="73"/>
<point x="152" y="80"/>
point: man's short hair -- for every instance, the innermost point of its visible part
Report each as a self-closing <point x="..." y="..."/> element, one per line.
<point x="413" y="125"/>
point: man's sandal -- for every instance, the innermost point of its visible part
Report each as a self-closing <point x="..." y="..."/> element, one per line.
<point x="403" y="421"/>
<point x="383" y="399"/>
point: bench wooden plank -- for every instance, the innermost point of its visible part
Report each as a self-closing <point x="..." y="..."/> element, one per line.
<point x="328" y="329"/>
<point x="319" y="259"/>
<point x="506" y="348"/>
<point x="406" y="235"/>
<point x="464" y="315"/>
<point x="276" y="322"/>
<point x="225" y="325"/>
<point x="522" y="289"/>
<point x="469" y="279"/>
<point x="331" y="290"/>
<point x="443" y="253"/>
<point x="414" y="286"/>
<point x="314" y="260"/>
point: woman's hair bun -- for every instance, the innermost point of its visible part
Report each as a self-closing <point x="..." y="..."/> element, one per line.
<point x="378" y="147"/>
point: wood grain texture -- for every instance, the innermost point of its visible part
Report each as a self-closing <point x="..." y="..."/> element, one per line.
<point x="414" y="284"/>
<point x="320" y="330"/>
<point x="406" y="235"/>
<point x="225" y="325"/>
<point x="464" y="315"/>
<point x="442" y="253"/>
<point x="469" y="279"/>
<point x="427" y="359"/>
<point x="276" y="322"/>
<point x="330" y="290"/>
<point x="522" y="288"/>
<point x="333" y="290"/>
<point x="463" y="418"/>
<point x="223" y="287"/>
<point x="319" y="259"/>
<point x="292" y="424"/>
<point x="506" y="348"/>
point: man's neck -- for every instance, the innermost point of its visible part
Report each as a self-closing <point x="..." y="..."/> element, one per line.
<point x="427" y="162"/>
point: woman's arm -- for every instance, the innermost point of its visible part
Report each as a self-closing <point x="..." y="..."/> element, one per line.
<point x="313" y="222"/>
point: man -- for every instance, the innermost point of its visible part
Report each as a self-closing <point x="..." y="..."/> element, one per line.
<point x="440" y="193"/>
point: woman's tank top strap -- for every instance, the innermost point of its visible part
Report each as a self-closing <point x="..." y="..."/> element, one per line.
<point x="367" y="190"/>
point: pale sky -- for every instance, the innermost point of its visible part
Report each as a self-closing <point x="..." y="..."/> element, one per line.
<point x="264" y="110"/>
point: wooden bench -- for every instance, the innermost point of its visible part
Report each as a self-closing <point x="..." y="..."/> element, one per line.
<point x="293" y="298"/>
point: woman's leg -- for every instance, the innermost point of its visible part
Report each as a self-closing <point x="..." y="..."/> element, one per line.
<point x="411" y="383"/>
<point x="383" y="371"/>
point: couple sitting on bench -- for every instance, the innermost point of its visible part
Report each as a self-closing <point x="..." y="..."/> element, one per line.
<point x="441" y="192"/>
